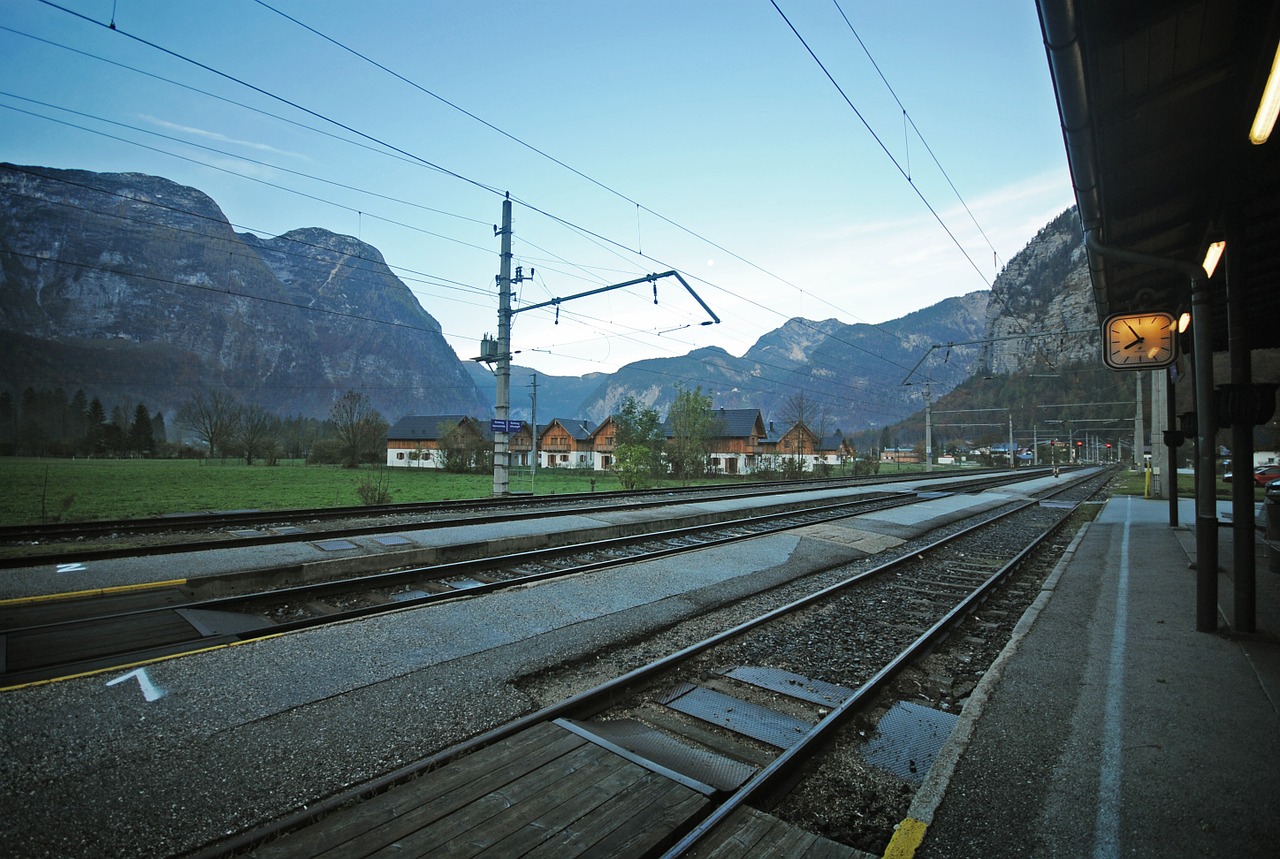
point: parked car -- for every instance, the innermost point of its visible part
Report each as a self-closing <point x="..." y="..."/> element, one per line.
<point x="1265" y="474"/>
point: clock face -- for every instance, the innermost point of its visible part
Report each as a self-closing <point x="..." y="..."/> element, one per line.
<point x="1140" y="341"/>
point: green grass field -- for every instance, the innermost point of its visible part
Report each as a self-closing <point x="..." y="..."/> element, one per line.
<point x="80" y="489"/>
<point x="1134" y="483"/>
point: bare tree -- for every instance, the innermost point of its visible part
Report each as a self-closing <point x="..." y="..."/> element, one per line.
<point x="257" y="433"/>
<point x="358" y="426"/>
<point x="212" y="417"/>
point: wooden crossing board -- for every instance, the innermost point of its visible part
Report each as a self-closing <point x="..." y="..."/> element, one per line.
<point x="545" y="792"/>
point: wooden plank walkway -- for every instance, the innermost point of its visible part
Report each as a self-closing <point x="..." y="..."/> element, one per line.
<point x="546" y="792"/>
<point x="747" y="832"/>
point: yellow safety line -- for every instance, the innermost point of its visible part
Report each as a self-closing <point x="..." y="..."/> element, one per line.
<point x="94" y="592"/>
<point x="906" y="839"/>
<point x="151" y="661"/>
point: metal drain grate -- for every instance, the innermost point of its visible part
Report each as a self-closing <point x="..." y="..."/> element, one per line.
<point x="743" y="717"/>
<point x="908" y="739"/>
<point x="792" y="685"/>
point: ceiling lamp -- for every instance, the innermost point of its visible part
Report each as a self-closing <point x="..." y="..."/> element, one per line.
<point x="1269" y="105"/>
<point x="1212" y="256"/>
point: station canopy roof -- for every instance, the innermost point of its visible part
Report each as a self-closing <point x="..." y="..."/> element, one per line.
<point x="1156" y="101"/>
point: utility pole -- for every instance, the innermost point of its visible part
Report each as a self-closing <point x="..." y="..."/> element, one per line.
<point x="502" y="347"/>
<point x="501" y="439"/>
<point x="928" y="432"/>
<point x="533" y="427"/>
<point x="1139" y="432"/>
<point x="1013" y="454"/>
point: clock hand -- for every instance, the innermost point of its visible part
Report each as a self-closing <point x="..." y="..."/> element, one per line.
<point x="1134" y="343"/>
<point x="1131" y="331"/>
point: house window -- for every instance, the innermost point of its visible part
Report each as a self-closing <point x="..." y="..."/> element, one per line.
<point x="400" y="455"/>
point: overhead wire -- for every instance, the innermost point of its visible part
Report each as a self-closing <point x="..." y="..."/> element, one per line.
<point x="440" y="168"/>
<point x="905" y="173"/>
<point x="638" y="250"/>
<point x="425" y="162"/>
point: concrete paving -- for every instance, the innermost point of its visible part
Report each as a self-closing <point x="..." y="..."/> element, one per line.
<point x="408" y="546"/>
<point x="1110" y="727"/>
<point x="158" y="760"/>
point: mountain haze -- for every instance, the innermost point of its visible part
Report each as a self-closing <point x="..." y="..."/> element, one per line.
<point x="134" y="288"/>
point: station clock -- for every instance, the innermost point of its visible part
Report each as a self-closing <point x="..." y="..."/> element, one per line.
<point x="1140" y="341"/>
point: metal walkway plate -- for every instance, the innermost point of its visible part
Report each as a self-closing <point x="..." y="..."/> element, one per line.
<point x="334" y="545"/>
<point x="743" y="717"/>
<point x="214" y="623"/>
<point x="908" y="739"/>
<point x="663" y="753"/>
<point x="792" y="685"/>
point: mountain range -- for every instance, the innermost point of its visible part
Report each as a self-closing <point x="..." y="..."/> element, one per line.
<point x="133" y="287"/>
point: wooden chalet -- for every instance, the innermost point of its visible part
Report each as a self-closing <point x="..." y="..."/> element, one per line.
<point x="567" y="443"/>
<point x="799" y="442"/>
<point x="419" y="441"/>
<point x="735" y="445"/>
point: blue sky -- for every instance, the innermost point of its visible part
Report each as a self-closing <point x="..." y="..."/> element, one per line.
<point x="699" y="136"/>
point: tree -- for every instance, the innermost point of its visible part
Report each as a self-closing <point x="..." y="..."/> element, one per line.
<point x="159" y="432"/>
<point x="213" y="417"/>
<point x="95" y="434"/>
<point x="693" y="424"/>
<point x="359" y="427"/>
<point x="141" y="434"/>
<point x="256" y="433"/>
<point x="637" y="444"/>
<point x="800" y="409"/>
<point x="462" y="447"/>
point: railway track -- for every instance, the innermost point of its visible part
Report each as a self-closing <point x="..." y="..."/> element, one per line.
<point x="49" y="638"/>
<point x="688" y="754"/>
<point x="69" y="542"/>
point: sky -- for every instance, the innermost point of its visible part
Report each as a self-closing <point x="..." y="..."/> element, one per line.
<point x="815" y="158"/>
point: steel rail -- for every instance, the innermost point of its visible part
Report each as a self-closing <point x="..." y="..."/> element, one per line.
<point x="249" y="517"/>
<point x="600" y="697"/>
<point x="784" y="766"/>
<point x="658" y="498"/>
<point x="246" y="603"/>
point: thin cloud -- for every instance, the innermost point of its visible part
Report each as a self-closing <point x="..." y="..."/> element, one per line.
<point x="220" y="138"/>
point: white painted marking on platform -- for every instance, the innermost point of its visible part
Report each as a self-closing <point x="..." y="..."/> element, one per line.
<point x="71" y="568"/>
<point x="149" y="690"/>
<point x="1106" y="831"/>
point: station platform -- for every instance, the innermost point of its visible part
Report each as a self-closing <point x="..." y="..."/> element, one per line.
<point x="1110" y="727"/>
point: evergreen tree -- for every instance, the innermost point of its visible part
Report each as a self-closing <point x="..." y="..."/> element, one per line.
<point x="96" y="433"/>
<point x="159" y="432"/>
<point x="141" y="441"/>
<point x="78" y="422"/>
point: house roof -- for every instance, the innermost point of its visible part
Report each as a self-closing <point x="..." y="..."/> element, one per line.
<point x="577" y="428"/>
<point x="731" y="423"/>
<point x="428" y="427"/>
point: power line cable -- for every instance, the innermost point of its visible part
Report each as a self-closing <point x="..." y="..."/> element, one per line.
<point x="521" y="142"/>
<point x="920" y="135"/>
<point x="905" y="174"/>
<point x="424" y="161"/>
